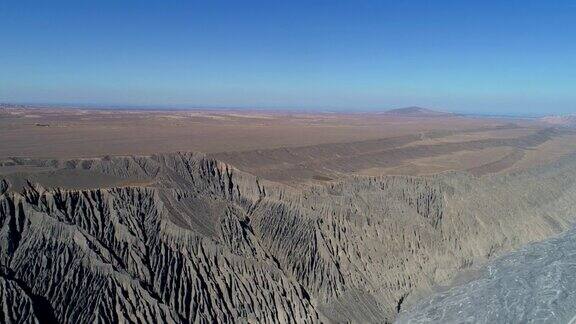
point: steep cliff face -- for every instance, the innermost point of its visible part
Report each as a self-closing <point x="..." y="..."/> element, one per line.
<point x="184" y="238"/>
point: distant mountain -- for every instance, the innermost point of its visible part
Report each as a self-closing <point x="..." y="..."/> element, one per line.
<point x="417" y="112"/>
<point x="560" y="120"/>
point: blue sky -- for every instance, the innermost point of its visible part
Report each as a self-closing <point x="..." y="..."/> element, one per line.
<point x="509" y="57"/>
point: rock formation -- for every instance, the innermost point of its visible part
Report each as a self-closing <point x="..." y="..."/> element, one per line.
<point x="185" y="238"/>
<point x="535" y="284"/>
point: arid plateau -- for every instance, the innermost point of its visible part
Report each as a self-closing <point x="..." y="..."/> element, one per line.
<point x="275" y="216"/>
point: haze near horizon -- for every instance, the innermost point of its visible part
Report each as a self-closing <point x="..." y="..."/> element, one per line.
<point x="514" y="58"/>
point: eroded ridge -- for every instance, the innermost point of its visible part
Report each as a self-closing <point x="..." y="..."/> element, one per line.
<point x="200" y="241"/>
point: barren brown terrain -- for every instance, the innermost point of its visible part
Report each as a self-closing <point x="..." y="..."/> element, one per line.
<point x="287" y="162"/>
<point x="292" y="147"/>
<point x="287" y="217"/>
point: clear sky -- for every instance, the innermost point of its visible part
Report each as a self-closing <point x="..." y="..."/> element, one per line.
<point x="509" y="57"/>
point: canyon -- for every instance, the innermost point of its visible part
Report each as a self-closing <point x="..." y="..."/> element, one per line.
<point x="185" y="238"/>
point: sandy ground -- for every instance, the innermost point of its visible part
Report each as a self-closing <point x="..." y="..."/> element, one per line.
<point x="289" y="146"/>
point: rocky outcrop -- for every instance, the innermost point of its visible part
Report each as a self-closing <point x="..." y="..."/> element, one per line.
<point x="17" y="306"/>
<point x="3" y="186"/>
<point x="202" y="241"/>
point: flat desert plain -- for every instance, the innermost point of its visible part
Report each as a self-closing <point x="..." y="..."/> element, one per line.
<point x="291" y="147"/>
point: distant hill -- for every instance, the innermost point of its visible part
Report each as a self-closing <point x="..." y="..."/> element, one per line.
<point x="417" y="112"/>
<point x="560" y="120"/>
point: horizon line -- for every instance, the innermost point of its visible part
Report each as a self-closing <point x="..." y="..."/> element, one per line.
<point x="271" y="108"/>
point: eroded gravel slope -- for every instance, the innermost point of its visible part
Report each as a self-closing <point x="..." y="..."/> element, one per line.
<point x="535" y="284"/>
